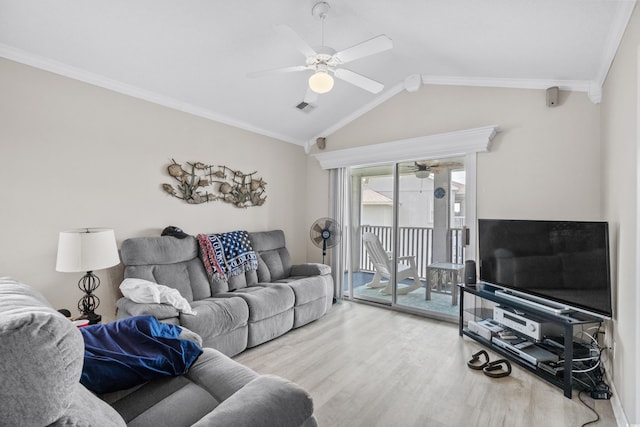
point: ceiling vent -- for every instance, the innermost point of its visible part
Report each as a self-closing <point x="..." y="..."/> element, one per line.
<point x="305" y="106"/>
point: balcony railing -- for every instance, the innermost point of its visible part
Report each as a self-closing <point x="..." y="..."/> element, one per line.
<point x="413" y="241"/>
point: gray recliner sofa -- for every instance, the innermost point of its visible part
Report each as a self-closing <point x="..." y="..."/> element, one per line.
<point x="235" y="312"/>
<point x="221" y="322"/>
<point x="42" y="356"/>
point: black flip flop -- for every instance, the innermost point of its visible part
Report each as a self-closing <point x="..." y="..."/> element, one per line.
<point x="502" y="366"/>
<point x="473" y="363"/>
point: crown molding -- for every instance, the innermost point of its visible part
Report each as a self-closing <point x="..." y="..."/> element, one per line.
<point x="59" y="68"/>
<point x="591" y="88"/>
<point x="448" y="144"/>
<point x="620" y="23"/>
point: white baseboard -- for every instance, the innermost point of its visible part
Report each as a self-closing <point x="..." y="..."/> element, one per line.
<point x="616" y="406"/>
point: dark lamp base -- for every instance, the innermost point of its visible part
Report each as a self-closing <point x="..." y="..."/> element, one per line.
<point x="89" y="302"/>
<point x="93" y="318"/>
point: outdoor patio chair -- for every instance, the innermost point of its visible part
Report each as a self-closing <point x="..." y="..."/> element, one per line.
<point x="381" y="261"/>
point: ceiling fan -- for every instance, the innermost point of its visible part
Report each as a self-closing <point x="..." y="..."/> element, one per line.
<point x="422" y="169"/>
<point x="325" y="61"/>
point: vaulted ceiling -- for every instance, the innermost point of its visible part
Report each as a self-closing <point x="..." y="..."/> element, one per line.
<point x="194" y="55"/>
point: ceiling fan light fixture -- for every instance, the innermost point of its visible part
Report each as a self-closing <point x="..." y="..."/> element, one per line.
<point x="321" y="82"/>
<point x="422" y="174"/>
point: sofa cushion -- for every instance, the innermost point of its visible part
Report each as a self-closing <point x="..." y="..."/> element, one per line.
<point x="307" y="289"/>
<point x="277" y="262"/>
<point x="264" y="276"/>
<point x="218" y="285"/>
<point x="267" y="240"/>
<point x="217" y="316"/>
<point x="243" y="280"/>
<point x="158" y="250"/>
<point x="168" y="261"/>
<point x="266" y="302"/>
<point x="170" y="401"/>
<point x="270" y="245"/>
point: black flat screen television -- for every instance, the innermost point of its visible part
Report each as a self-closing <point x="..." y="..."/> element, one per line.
<point x="566" y="262"/>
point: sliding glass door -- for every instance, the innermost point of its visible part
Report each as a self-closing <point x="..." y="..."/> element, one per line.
<point x="406" y="235"/>
<point x="371" y="212"/>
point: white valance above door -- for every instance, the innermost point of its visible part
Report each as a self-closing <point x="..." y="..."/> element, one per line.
<point x="450" y="144"/>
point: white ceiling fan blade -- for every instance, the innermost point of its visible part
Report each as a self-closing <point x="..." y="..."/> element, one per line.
<point x="311" y="97"/>
<point x="375" y="45"/>
<point x="298" y="42"/>
<point x="273" y="71"/>
<point x="359" y="80"/>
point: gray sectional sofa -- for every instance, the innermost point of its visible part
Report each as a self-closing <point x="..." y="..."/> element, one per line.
<point x="236" y="312"/>
<point x="42" y="356"/>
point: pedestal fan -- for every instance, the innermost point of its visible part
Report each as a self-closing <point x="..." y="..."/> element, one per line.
<point x="325" y="233"/>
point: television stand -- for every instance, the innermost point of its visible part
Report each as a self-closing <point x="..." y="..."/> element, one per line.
<point x="555" y="370"/>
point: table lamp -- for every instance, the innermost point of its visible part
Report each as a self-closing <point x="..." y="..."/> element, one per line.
<point x="87" y="249"/>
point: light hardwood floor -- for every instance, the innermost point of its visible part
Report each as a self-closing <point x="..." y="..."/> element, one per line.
<point x="368" y="366"/>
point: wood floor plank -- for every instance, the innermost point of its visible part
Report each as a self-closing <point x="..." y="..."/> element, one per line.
<point x="368" y="366"/>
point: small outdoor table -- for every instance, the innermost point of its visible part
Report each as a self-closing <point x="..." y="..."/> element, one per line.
<point x="445" y="272"/>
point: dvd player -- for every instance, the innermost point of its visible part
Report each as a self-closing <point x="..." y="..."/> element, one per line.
<point x="527" y="324"/>
<point x="525" y="350"/>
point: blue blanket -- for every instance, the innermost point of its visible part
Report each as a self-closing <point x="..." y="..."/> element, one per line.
<point x="227" y="254"/>
<point x="131" y="351"/>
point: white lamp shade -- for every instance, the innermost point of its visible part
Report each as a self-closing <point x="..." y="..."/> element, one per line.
<point x="87" y="249"/>
<point x="321" y="82"/>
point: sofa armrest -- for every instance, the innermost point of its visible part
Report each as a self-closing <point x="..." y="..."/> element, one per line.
<point x="264" y="402"/>
<point x="310" y="269"/>
<point x="128" y="308"/>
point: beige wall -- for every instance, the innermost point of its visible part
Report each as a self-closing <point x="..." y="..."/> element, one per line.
<point x="620" y="160"/>
<point x="543" y="164"/>
<point x="74" y="155"/>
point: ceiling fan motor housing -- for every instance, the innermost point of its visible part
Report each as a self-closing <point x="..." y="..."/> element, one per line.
<point x="320" y="10"/>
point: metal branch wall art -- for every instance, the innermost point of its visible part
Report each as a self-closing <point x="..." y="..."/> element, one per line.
<point x="201" y="183"/>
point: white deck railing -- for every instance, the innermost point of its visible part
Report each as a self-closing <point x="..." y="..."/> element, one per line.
<point x="414" y="241"/>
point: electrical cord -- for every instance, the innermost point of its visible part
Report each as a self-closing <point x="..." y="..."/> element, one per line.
<point x="595" y="350"/>
<point x="590" y="375"/>
<point x="583" y="371"/>
<point x="593" y="374"/>
<point x="590" y="408"/>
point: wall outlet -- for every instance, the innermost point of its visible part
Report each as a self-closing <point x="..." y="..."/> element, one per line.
<point x="613" y="350"/>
